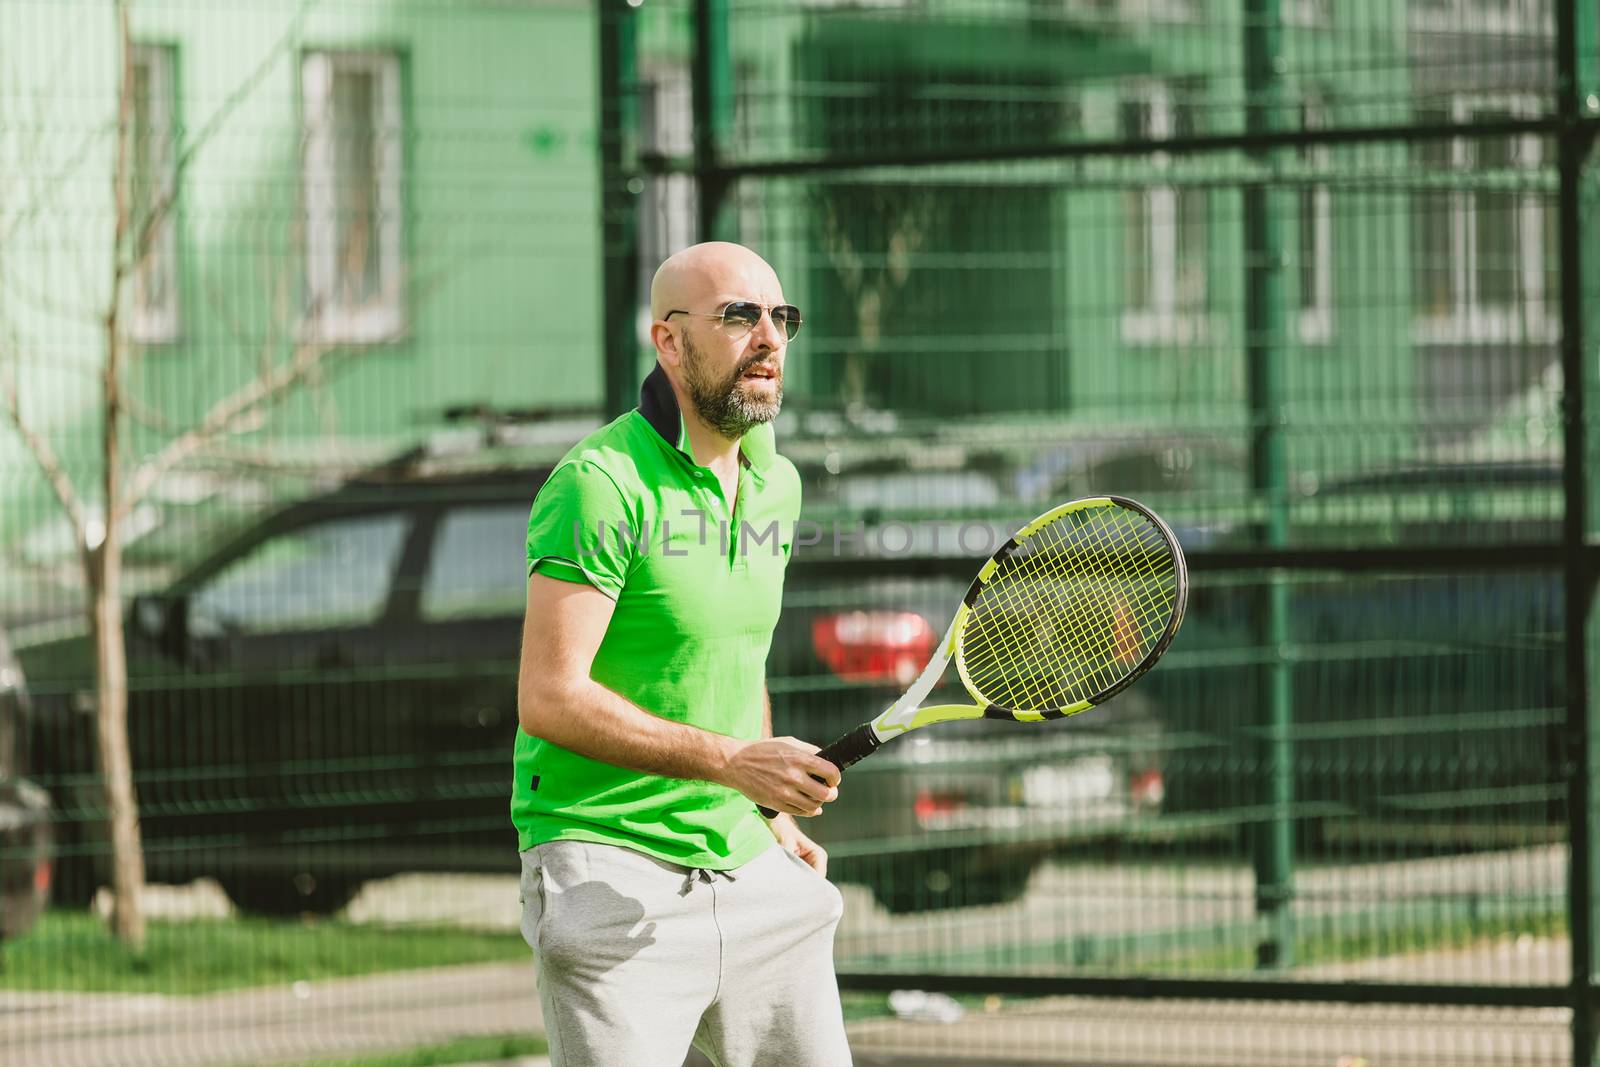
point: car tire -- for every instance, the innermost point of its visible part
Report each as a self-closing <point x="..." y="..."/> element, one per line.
<point x="280" y="895"/>
<point x="74" y="883"/>
<point x="952" y="878"/>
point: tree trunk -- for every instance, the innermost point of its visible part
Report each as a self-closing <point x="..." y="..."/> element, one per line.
<point x="116" y="766"/>
<point x="105" y="565"/>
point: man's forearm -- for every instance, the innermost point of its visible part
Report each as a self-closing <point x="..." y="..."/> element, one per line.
<point x="593" y="721"/>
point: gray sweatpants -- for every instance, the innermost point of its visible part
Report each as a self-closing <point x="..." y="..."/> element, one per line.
<point x="638" y="958"/>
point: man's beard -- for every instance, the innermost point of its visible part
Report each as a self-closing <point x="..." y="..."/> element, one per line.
<point x="723" y="404"/>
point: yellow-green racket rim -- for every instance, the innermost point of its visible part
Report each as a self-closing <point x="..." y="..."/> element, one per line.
<point x="986" y="572"/>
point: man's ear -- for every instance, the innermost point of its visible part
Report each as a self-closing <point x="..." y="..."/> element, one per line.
<point x="666" y="343"/>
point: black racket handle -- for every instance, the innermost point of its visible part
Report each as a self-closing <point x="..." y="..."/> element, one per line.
<point x="847" y="751"/>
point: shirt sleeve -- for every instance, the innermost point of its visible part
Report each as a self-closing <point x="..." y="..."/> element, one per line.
<point x="573" y="529"/>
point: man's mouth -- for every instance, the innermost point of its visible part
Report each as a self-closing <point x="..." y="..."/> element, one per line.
<point x="760" y="372"/>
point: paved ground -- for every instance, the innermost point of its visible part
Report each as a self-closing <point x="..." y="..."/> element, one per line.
<point x="1117" y="916"/>
<point x="1071" y="906"/>
<point x="413" y="1008"/>
<point x="272" y="1024"/>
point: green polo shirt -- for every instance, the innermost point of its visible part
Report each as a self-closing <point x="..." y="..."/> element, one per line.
<point x="697" y="593"/>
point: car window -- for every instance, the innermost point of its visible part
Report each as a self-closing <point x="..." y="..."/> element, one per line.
<point x="333" y="573"/>
<point x="479" y="563"/>
<point x="910" y="490"/>
<point x="1176" y="468"/>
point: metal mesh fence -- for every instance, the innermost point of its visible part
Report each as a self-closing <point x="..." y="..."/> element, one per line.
<point x="314" y="242"/>
<point x="1291" y="274"/>
<point x="1301" y="276"/>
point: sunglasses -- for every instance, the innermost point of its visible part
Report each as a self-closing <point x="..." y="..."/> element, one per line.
<point x="742" y="316"/>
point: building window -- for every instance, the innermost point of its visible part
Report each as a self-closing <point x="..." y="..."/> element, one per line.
<point x="1522" y="18"/>
<point x="152" y="163"/>
<point x="1165" y="235"/>
<point x="1307" y="12"/>
<point x="353" y="163"/>
<point x="668" y="204"/>
<point x="1481" y="256"/>
<point x="1314" y="254"/>
<point x="1124" y="11"/>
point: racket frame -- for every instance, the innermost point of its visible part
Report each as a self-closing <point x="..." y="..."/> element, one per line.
<point x="906" y="714"/>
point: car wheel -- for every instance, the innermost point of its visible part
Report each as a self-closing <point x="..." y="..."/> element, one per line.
<point x="935" y="881"/>
<point x="75" y="881"/>
<point x="285" y="895"/>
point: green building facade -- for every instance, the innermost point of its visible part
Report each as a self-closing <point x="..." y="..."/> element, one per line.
<point x="1033" y="217"/>
<point x="401" y="194"/>
<point x="411" y="192"/>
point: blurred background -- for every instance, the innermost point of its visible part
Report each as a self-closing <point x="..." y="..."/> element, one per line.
<point x="301" y="299"/>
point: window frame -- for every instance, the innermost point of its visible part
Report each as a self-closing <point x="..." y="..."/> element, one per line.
<point x="383" y="318"/>
<point x="157" y="323"/>
<point x="1163" y="321"/>
<point x="1469" y="320"/>
<point x="1314" y="318"/>
<point x="1497" y="17"/>
<point x="1160" y="10"/>
<point x="668" y="203"/>
<point x="1306" y="13"/>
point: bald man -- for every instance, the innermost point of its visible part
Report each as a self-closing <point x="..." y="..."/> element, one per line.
<point x="662" y="909"/>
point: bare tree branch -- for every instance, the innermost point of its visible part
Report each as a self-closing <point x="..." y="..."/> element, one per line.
<point x="45" y="456"/>
<point x="145" y="415"/>
<point x="46" y="189"/>
<point x="23" y="293"/>
<point x="231" y="413"/>
<point x="159" y="209"/>
<point x="228" y="413"/>
<point x="57" y="181"/>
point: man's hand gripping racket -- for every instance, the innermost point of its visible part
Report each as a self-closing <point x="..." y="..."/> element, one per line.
<point x="1065" y="615"/>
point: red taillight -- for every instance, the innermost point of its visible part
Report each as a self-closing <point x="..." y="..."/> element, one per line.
<point x="930" y="803"/>
<point x="1147" y="789"/>
<point x="873" y="646"/>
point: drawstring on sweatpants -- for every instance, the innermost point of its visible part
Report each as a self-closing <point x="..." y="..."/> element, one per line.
<point x="704" y="875"/>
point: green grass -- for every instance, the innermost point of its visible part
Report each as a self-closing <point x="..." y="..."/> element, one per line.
<point x="74" y="952"/>
<point x="486" y="1049"/>
<point x="1356" y="945"/>
<point x="1230" y="948"/>
<point x="863" y="1005"/>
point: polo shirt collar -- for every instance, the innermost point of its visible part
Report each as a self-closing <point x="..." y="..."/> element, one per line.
<point x="659" y="406"/>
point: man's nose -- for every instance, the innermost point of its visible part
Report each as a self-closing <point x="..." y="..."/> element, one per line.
<point x="769" y="335"/>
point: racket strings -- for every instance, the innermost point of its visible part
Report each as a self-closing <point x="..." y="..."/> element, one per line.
<point x="1064" y="628"/>
<point x="1059" y="648"/>
<point x="1072" y="611"/>
<point x="1116" y="613"/>
<point x="1130" y="606"/>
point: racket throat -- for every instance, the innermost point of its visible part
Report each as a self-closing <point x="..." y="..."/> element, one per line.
<point x="902" y="715"/>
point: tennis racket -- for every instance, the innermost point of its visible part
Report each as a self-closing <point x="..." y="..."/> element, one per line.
<point x="1065" y="615"/>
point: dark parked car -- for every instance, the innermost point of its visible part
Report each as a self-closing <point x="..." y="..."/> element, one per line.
<point x="330" y="698"/>
<point x="1427" y="705"/>
<point x="25" y="816"/>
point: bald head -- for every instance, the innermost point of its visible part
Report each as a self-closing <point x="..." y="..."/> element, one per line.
<point x="704" y="275"/>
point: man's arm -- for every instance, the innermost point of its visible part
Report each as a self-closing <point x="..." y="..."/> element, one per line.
<point x="783" y="827"/>
<point x="558" y="701"/>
